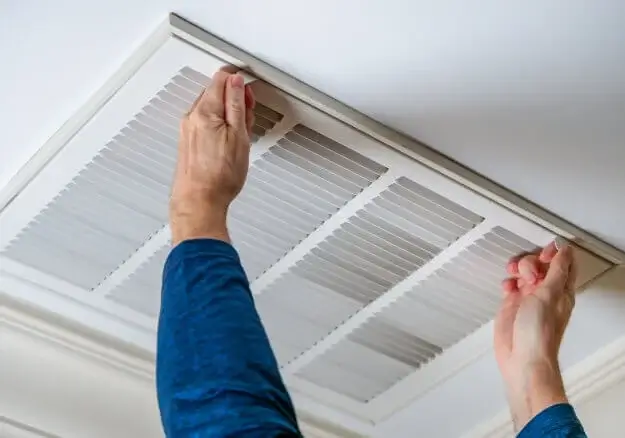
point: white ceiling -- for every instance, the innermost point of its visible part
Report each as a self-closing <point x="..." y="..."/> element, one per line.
<point x="529" y="93"/>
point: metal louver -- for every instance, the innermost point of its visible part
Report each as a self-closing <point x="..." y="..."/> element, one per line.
<point x="121" y="197"/>
<point x="435" y="314"/>
<point x="292" y="189"/>
<point x="368" y="267"/>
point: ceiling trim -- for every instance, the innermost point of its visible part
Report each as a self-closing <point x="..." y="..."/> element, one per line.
<point x="313" y="416"/>
<point x="78" y="342"/>
<point x="58" y="296"/>
<point x="12" y="428"/>
<point x="584" y="381"/>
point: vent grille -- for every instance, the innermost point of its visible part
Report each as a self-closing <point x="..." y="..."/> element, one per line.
<point x="119" y="199"/>
<point x="288" y="195"/>
<point x="366" y="263"/>
<point x="440" y="311"/>
<point x="297" y="313"/>
<point x="384" y="242"/>
<point x="141" y="291"/>
<point x="365" y="257"/>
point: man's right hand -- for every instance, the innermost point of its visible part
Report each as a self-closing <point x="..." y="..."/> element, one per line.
<point x="539" y="299"/>
<point x="213" y="159"/>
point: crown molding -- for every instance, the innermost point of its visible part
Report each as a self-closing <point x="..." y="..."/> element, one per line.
<point x="10" y="428"/>
<point x="138" y="364"/>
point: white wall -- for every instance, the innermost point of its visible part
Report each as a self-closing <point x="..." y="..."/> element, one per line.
<point x="604" y="415"/>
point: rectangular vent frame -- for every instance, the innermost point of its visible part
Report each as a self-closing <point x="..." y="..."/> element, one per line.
<point x="308" y="115"/>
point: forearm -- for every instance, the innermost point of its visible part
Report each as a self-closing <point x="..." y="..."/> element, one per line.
<point x="216" y="372"/>
<point x="539" y="405"/>
<point x="532" y="389"/>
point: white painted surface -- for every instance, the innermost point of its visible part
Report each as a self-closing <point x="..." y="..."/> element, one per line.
<point x="603" y="416"/>
<point x="57" y="391"/>
<point x="531" y="94"/>
<point x="64" y="382"/>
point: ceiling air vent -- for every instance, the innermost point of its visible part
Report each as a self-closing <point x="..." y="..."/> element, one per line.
<point x="372" y="265"/>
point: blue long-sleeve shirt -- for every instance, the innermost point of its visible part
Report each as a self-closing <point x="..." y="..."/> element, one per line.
<point x="216" y="374"/>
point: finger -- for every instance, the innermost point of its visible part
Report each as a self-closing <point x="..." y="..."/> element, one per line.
<point x="509" y="285"/>
<point x="513" y="266"/>
<point x="250" y="103"/>
<point x="548" y="253"/>
<point x="559" y="270"/>
<point x="250" y="99"/>
<point x="212" y="102"/>
<point x="529" y="269"/>
<point x="521" y="283"/>
<point x="230" y="69"/>
<point x="235" y="102"/>
<point x="249" y="121"/>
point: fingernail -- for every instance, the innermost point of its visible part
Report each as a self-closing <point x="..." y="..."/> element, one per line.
<point x="560" y="243"/>
<point x="237" y="81"/>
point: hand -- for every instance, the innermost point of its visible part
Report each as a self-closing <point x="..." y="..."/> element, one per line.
<point x="213" y="159"/>
<point x="529" y="328"/>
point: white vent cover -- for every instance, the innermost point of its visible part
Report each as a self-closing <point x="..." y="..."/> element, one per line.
<point x="375" y="275"/>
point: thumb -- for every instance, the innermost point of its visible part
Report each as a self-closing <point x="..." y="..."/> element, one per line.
<point x="559" y="270"/>
<point x="235" y="102"/>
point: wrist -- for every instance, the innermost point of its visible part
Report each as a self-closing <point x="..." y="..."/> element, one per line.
<point x="533" y="388"/>
<point x="198" y="222"/>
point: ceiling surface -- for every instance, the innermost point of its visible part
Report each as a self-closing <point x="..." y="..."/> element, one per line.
<point x="528" y="93"/>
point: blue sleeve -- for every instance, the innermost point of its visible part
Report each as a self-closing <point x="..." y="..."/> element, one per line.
<point x="216" y="374"/>
<point x="557" y="421"/>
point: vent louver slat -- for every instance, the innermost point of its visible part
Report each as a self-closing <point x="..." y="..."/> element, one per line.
<point x="141" y="291"/>
<point x="293" y="299"/>
<point x="265" y="221"/>
<point x="362" y="259"/>
<point x="120" y="198"/>
<point x="287" y="196"/>
<point x="456" y="300"/>
<point x="351" y="371"/>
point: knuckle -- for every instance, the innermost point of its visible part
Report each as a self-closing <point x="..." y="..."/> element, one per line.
<point x="219" y="74"/>
<point x="236" y="107"/>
